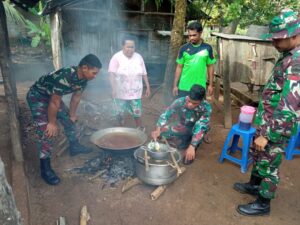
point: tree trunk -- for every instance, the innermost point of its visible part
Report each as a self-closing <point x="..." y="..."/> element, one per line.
<point x="176" y="42"/>
<point x="9" y="87"/>
<point x="231" y="28"/>
<point x="9" y="215"/>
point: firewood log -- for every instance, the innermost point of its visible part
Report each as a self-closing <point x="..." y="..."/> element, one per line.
<point x="84" y="216"/>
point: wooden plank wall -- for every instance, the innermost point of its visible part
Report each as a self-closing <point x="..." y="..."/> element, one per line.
<point x="85" y="32"/>
<point x="246" y="66"/>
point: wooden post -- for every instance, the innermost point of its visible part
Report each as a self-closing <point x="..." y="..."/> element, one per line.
<point x="175" y="43"/>
<point x="217" y="87"/>
<point x="8" y="210"/>
<point x="226" y="90"/>
<point x="9" y="87"/>
<point x="55" y="21"/>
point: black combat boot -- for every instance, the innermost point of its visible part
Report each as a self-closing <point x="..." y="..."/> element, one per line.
<point x="47" y="173"/>
<point x="76" y="148"/>
<point x="251" y="187"/>
<point x="260" y="207"/>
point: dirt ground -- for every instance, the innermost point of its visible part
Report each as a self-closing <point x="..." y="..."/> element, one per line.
<point x="202" y="195"/>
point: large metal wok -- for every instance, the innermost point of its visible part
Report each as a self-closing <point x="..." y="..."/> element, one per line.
<point x="119" y="138"/>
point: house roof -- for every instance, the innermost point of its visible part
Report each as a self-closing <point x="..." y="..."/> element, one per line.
<point x="52" y="5"/>
<point x="237" y="37"/>
<point x="25" y="4"/>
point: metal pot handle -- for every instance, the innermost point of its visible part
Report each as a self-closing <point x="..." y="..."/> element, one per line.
<point x="140" y="159"/>
<point x="143" y="147"/>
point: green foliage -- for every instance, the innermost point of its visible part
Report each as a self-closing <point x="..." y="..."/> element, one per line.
<point x="258" y="12"/>
<point x="41" y="32"/>
<point x="241" y="31"/>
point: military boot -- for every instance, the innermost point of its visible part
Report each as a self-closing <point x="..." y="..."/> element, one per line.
<point x="47" y="173"/>
<point x="76" y="148"/>
<point x="260" y="207"/>
<point x="251" y="187"/>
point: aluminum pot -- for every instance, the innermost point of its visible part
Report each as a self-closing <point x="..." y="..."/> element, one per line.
<point x="160" y="172"/>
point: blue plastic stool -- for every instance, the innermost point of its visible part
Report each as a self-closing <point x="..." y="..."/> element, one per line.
<point x="247" y="137"/>
<point x="291" y="149"/>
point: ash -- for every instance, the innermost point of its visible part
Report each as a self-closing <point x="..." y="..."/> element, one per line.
<point x="112" y="167"/>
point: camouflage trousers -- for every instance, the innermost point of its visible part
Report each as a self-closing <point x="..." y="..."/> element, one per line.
<point x="39" y="109"/>
<point x="177" y="130"/>
<point x="266" y="166"/>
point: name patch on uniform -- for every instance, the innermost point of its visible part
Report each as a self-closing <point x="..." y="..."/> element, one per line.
<point x="293" y="77"/>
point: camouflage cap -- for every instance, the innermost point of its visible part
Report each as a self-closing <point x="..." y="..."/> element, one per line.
<point x="285" y="25"/>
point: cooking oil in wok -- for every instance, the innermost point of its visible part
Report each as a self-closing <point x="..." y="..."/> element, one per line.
<point x="118" y="140"/>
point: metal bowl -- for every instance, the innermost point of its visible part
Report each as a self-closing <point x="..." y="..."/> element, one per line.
<point x="138" y="136"/>
<point x="162" y="153"/>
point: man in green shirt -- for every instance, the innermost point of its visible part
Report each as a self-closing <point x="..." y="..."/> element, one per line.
<point x="194" y="62"/>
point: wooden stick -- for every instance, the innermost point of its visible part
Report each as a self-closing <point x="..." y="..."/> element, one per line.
<point x="98" y="174"/>
<point x="172" y="155"/>
<point x="62" y="141"/>
<point x="158" y="192"/>
<point x="62" y="149"/>
<point x="130" y="183"/>
<point x="84" y="216"/>
<point x="146" y="160"/>
<point x="61" y="221"/>
<point x="183" y="169"/>
<point x="175" y="162"/>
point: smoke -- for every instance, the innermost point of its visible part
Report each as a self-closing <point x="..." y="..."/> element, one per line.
<point x="97" y="27"/>
<point x="90" y="27"/>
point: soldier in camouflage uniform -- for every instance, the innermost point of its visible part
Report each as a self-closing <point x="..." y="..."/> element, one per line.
<point x="193" y="118"/>
<point x="277" y="117"/>
<point x="45" y="101"/>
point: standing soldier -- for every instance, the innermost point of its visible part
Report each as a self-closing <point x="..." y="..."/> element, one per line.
<point x="45" y="101"/>
<point x="278" y="115"/>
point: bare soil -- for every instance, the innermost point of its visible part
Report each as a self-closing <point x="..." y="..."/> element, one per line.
<point x="202" y="195"/>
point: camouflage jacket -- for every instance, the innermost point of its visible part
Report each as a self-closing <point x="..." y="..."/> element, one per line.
<point x="196" y="119"/>
<point x="61" y="82"/>
<point x="278" y="112"/>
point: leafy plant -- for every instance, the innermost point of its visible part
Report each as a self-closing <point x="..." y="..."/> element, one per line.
<point x="258" y="12"/>
<point x="40" y="33"/>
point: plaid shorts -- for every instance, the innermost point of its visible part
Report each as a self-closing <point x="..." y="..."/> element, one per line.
<point x="133" y="107"/>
